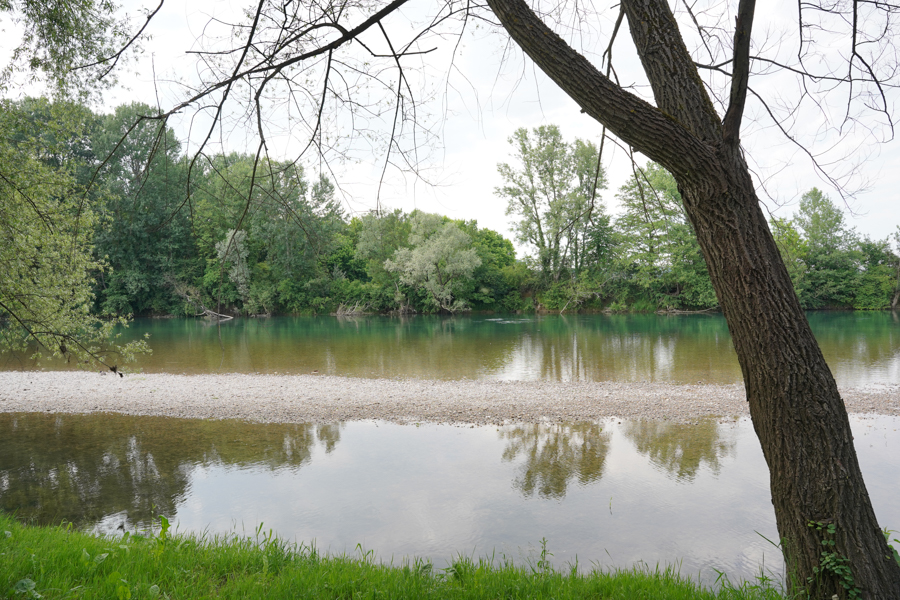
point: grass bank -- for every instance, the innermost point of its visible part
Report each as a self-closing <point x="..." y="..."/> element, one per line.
<point x="62" y="562"/>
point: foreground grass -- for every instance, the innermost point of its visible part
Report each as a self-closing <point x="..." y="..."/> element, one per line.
<point x="61" y="562"/>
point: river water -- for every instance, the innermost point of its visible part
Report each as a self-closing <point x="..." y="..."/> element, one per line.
<point x="611" y="493"/>
<point x="862" y="348"/>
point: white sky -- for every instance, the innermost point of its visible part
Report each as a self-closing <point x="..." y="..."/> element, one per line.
<point x="473" y="137"/>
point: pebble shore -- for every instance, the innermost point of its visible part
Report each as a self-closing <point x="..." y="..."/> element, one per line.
<point x="328" y="399"/>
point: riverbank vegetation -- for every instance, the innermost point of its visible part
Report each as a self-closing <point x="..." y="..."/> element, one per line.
<point x="162" y="234"/>
<point x="61" y="562"/>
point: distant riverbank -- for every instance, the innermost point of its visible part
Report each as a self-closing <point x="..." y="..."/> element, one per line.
<point x="328" y="399"/>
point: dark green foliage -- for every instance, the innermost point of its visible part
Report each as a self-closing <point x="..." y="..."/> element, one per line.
<point x="657" y="252"/>
<point x="830" y="265"/>
<point x="247" y="237"/>
<point x="143" y="235"/>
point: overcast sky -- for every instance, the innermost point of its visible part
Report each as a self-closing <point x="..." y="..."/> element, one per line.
<point x="486" y="101"/>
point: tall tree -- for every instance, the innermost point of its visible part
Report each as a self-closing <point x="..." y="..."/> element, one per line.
<point x="46" y="279"/>
<point x="657" y="245"/>
<point x="817" y="488"/>
<point x="46" y="260"/>
<point x="832" y="268"/>
<point x="552" y="192"/>
<point x="143" y="236"/>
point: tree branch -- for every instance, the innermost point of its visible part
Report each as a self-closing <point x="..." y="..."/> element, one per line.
<point x="637" y="122"/>
<point x="731" y="124"/>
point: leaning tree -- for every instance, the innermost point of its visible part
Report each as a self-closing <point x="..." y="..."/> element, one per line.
<point x="320" y="64"/>
<point x="338" y="69"/>
<point x="340" y="73"/>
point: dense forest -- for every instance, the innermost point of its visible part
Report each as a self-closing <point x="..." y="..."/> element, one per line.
<point x="179" y="235"/>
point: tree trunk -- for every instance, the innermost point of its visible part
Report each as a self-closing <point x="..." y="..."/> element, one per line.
<point x="797" y="412"/>
<point x="817" y="488"/>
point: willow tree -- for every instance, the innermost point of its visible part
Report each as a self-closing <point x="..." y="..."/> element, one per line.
<point x="47" y="267"/>
<point x="348" y="68"/>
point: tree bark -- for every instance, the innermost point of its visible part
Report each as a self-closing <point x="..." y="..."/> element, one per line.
<point x="797" y="412"/>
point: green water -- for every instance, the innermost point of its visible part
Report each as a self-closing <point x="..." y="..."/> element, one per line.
<point x="862" y="348"/>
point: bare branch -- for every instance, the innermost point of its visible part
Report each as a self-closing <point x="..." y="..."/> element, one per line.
<point x="731" y="124"/>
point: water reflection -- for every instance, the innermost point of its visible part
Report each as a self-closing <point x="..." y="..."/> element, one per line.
<point x="82" y="469"/>
<point x="861" y="348"/>
<point x="609" y="493"/>
<point x="678" y="448"/>
<point x="549" y="456"/>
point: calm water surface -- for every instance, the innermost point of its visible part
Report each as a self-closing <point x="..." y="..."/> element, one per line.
<point x="612" y="493"/>
<point x="861" y="347"/>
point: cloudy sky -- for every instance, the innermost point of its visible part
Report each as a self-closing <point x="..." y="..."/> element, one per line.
<point x="488" y="93"/>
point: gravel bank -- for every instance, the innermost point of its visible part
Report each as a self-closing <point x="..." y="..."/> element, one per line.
<point x="320" y="399"/>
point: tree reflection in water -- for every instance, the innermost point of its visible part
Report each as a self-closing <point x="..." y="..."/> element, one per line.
<point x="82" y="468"/>
<point x="680" y="448"/>
<point x="554" y="454"/>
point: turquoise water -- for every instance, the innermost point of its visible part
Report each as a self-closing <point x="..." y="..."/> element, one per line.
<point x="861" y="347"/>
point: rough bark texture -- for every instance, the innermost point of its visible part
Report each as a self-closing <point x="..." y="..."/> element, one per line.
<point x="796" y="409"/>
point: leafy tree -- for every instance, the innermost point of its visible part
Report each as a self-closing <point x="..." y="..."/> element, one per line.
<point x="142" y="234"/>
<point x="71" y="46"/>
<point x="380" y="235"/>
<point x="793" y="248"/>
<point x="439" y="260"/>
<point x="490" y="288"/>
<point x="877" y="282"/>
<point x="552" y="193"/>
<point x="232" y="254"/>
<point x="46" y="260"/>
<point x="290" y="231"/>
<point x="832" y="266"/>
<point x="657" y="246"/>
<point x="896" y="292"/>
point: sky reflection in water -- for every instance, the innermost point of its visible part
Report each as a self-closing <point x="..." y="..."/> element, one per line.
<point x="612" y="493"/>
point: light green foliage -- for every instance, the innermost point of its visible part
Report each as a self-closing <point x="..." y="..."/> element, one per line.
<point x="822" y="223"/>
<point x="551" y="192"/>
<point x="439" y="262"/>
<point x="657" y="247"/>
<point x="46" y="261"/>
<point x="232" y="255"/>
<point x="64" y="44"/>
<point x="64" y="563"/>
<point x="793" y="248"/>
<point x="379" y="236"/>
<point x="831" y="564"/>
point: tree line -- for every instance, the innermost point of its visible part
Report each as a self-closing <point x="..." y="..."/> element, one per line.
<point x="230" y="234"/>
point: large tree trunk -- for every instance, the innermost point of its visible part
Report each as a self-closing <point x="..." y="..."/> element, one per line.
<point x="797" y="412"/>
<point x="796" y="409"/>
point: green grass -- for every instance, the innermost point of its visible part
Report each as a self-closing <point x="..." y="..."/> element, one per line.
<point x="62" y="562"/>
